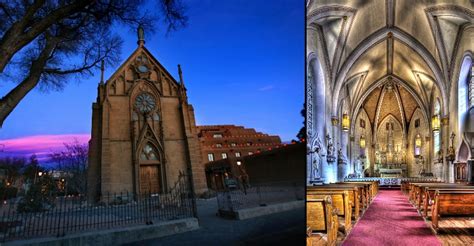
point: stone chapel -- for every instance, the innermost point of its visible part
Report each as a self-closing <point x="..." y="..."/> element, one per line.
<point x="143" y="130"/>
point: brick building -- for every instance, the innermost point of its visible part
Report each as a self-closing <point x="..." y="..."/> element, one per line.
<point x="143" y="130"/>
<point x="284" y="163"/>
<point x="219" y="142"/>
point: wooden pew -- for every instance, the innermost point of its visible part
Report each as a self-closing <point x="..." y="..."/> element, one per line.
<point x="405" y="185"/>
<point x="364" y="190"/>
<point x="415" y="188"/>
<point x="341" y="201"/>
<point x="420" y="191"/>
<point x="373" y="187"/>
<point x="355" y="195"/>
<point x="429" y="193"/>
<point x="459" y="202"/>
<point x="322" y="221"/>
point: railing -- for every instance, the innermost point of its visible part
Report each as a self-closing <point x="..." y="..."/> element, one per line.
<point x="394" y="181"/>
<point x="260" y="195"/>
<point x="68" y="215"/>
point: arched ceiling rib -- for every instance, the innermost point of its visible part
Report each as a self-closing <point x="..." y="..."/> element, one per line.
<point x="404" y="38"/>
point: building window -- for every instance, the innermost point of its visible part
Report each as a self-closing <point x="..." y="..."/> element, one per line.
<point x="224" y="155"/>
<point x="217" y="135"/>
<point x="218" y="145"/>
<point x="362" y="123"/>
<point x="436" y="134"/>
<point x="237" y="154"/>
<point x="417" y="123"/>
<point x="148" y="153"/>
<point x="233" y="144"/>
<point x="210" y="157"/>
<point x="250" y="153"/>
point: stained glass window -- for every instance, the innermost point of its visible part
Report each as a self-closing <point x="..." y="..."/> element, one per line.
<point x="436" y="134"/>
<point x="148" y="153"/>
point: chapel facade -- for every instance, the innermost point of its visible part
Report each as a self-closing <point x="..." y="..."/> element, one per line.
<point x="144" y="132"/>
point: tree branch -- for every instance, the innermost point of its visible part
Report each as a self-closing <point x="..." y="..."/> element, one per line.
<point x="11" y="100"/>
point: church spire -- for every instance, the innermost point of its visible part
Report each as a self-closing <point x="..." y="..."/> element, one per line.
<point x="180" y="72"/>
<point x="102" y="72"/>
<point x="141" y="35"/>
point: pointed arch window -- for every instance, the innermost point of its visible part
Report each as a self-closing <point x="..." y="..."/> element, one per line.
<point x="418" y="145"/>
<point x="148" y="153"/>
<point x="436" y="134"/>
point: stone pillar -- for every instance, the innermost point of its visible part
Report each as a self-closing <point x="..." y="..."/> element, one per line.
<point x="343" y="169"/>
<point x="448" y="169"/>
<point x="317" y="168"/>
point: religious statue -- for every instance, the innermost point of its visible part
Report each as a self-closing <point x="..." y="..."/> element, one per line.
<point x="141" y="35"/>
<point x="316" y="152"/>
<point x="331" y="150"/>
<point x="341" y="159"/>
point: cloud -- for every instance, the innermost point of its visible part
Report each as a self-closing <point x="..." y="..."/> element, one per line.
<point x="267" y="88"/>
<point x="41" y="145"/>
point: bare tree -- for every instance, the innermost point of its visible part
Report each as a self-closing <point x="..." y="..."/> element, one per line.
<point x="12" y="167"/>
<point x="46" y="43"/>
<point x="73" y="162"/>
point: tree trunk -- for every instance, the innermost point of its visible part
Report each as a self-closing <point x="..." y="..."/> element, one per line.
<point x="11" y="100"/>
<point x="22" y="32"/>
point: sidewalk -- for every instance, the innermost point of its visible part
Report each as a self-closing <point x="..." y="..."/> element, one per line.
<point x="276" y="229"/>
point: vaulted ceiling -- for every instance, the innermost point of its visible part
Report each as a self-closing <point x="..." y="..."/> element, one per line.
<point x="407" y="43"/>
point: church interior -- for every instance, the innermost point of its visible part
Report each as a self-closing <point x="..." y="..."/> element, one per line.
<point x="390" y="122"/>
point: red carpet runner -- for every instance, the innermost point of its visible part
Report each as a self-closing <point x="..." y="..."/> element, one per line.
<point x="391" y="220"/>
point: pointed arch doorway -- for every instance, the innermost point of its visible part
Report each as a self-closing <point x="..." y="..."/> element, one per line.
<point x="150" y="180"/>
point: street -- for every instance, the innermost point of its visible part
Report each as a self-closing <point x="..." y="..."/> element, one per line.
<point x="286" y="228"/>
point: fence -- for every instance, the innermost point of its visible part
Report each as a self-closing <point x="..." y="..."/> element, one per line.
<point x="260" y="195"/>
<point x="69" y="215"/>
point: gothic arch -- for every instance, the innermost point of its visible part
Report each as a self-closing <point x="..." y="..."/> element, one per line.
<point x="148" y="138"/>
<point x="381" y="82"/>
<point x="463" y="151"/>
<point x="380" y="36"/>
<point x="463" y="93"/>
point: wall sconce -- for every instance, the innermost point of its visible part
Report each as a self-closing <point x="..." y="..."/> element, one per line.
<point x="345" y="122"/>
<point x="435" y="123"/>
<point x="362" y="142"/>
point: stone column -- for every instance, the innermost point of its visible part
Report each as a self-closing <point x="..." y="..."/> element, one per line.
<point x="317" y="168"/>
<point x="343" y="169"/>
<point x="447" y="167"/>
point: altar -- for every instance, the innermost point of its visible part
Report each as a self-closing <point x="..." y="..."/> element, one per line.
<point x="393" y="170"/>
<point x="391" y="173"/>
<point x="393" y="181"/>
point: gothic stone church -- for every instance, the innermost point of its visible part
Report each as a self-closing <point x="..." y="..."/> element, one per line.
<point x="143" y="130"/>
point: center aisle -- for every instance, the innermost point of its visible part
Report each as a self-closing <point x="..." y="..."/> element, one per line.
<point x="391" y="220"/>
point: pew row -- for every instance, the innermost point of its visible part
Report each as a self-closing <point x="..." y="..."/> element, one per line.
<point x="429" y="192"/>
<point x="355" y="196"/>
<point x="451" y="203"/>
<point x="419" y="191"/>
<point x="341" y="200"/>
<point x="321" y="221"/>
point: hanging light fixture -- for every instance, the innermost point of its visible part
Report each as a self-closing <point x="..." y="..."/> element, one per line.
<point x="435" y="123"/>
<point x="345" y="122"/>
<point x="362" y="142"/>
